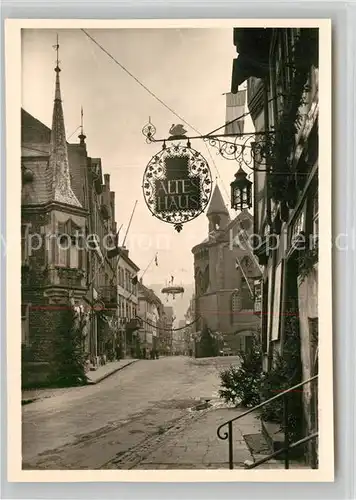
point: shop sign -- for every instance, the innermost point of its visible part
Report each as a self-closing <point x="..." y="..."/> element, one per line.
<point x="177" y="185"/>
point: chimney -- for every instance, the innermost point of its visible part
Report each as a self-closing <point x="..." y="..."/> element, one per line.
<point x="107" y="181"/>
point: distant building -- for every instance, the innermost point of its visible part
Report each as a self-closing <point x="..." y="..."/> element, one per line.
<point x="224" y="273"/>
<point x="149" y="310"/>
<point x="167" y="334"/>
<point x="127" y="303"/>
<point x="179" y="346"/>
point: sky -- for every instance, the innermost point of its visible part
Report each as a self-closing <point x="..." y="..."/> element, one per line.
<point x="189" y="69"/>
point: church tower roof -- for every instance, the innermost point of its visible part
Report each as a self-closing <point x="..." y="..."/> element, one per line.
<point x="58" y="161"/>
<point x="217" y="205"/>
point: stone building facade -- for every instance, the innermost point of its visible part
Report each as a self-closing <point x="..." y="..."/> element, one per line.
<point x="67" y="210"/>
<point x="282" y="95"/>
<point x="127" y="302"/>
<point x="166" y="337"/>
<point x="224" y="274"/>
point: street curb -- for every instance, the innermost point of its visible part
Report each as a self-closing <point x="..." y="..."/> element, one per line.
<point x="25" y="402"/>
<point x="92" y="382"/>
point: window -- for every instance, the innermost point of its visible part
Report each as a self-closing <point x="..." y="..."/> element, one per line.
<point x="277" y="294"/>
<point x="25" y="324"/>
<point x="257" y="289"/>
<point x="235" y="301"/>
<point x="120" y="276"/>
<point x="74" y="256"/>
<point x="297" y="232"/>
<point x="216" y="222"/>
<point x="235" y="304"/>
<point x="68" y="245"/>
<point x="63" y="245"/>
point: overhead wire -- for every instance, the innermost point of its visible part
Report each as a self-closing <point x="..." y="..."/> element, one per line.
<point x="169" y="329"/>
<point x="155" y="97"/>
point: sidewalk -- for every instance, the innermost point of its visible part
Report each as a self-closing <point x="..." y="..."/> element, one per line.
<point x="197" y="446"/>
<point x="94" y="377"/>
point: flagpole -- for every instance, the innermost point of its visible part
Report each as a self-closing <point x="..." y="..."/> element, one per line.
<point x="250" y="250"/>
<point x="129" y="224"/>
<point x="154" y="257"/>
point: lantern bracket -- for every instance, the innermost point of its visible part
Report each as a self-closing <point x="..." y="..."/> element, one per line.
<point x="251" y="148"/>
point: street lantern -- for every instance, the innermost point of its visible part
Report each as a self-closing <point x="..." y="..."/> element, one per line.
<point x="241" y="191"/>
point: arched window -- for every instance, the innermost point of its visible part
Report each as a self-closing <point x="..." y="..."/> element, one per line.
<point x="206" y="279"/>
<point x="216" y="222"/>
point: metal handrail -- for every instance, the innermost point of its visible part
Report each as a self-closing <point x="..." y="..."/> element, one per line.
<point x="281" y="394"/>
<point x="282" y="450"/>
<point x="228" y="434"/>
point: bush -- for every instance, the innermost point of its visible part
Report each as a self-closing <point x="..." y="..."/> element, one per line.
<point x="208" y="345"/>
<point x="286" y="372"/>
<point x="69" y="358"/>
<point x="241" y="385"/>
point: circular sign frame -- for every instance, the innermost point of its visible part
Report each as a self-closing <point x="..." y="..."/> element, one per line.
<point x="177" y="184"/>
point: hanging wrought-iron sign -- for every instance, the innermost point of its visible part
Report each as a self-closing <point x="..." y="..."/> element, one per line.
<point x="177" y="184"/>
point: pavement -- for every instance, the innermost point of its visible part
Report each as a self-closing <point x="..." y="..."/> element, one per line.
<point x="152" y="415"/>
<point x="94" y="377"/>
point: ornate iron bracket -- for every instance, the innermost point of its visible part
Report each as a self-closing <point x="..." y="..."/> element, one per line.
<point x="251" y="149"/>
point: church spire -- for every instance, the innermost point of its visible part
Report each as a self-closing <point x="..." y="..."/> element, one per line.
<point x="217" y="213"/>
<point x="217" y="205"/>
<point x="58" y="160"/>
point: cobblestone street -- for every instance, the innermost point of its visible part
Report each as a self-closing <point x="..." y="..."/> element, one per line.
<point x="149" y="415"/>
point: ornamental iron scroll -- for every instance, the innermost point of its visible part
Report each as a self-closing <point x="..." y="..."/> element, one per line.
<point x="253" y="149"/>
<point x="177" y="184"/>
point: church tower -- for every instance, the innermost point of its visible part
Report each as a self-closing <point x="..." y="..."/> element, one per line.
<point x="218" y="214"/>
